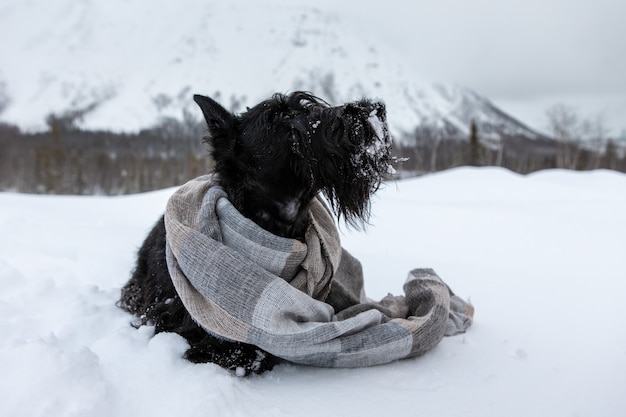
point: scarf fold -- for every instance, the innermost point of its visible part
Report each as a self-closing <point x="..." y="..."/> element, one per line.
<point x="301" y="301"/>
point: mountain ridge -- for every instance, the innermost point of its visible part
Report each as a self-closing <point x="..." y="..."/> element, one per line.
<point x="123" y="65"/>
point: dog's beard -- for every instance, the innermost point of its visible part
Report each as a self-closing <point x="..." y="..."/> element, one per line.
<point x="363" y="172"/>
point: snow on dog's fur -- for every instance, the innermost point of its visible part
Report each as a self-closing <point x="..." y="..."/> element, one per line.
<point x="271" y="160"/>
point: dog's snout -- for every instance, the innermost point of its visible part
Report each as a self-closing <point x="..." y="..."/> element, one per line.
<point x="365" y="109"/>
<point x="380" y="109"/>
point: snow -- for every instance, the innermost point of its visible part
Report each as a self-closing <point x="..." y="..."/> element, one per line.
<point x="138" y="64"/>
<point x="541" y="258"/>
<point x="377" y="124"/>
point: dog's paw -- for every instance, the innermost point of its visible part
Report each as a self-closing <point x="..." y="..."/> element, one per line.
<point x="261" y="363"/>
<point x="240" y="358"/>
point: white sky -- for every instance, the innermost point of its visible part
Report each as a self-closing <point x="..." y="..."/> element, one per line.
<point x="524" y="55"/>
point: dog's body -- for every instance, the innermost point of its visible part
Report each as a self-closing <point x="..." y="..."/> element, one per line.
<point x="271" y="161"/>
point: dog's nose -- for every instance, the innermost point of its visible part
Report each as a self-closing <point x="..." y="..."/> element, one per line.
<point x="366" y="108"/>
<point x="380" y="109"/>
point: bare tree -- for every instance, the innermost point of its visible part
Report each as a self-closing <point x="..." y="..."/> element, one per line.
<point x="4" y="97"/>
<point x="610" y="155"/>
<point x="500" y="154"/>
<point x="596" y="132"/>
<point x="564" y="124"/>
<point x="431" y="136"/>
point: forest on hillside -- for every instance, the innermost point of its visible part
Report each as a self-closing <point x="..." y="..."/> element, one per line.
<point x="67" y="160"/>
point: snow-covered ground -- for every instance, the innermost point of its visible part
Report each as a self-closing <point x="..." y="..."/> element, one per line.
<point x="541" y="257"/>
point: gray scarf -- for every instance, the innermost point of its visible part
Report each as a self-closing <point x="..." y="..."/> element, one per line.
<point x="301" y="301"/>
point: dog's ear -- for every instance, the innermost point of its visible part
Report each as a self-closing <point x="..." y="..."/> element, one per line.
<point x="217" y="117"/>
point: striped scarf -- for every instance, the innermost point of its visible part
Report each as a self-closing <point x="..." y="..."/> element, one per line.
<point x="300" y="301"/>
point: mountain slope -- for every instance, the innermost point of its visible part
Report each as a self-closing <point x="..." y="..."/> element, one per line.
<point x="123" y="64"/>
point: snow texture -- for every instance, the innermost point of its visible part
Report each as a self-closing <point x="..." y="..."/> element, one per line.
<point x="540" y="256"/>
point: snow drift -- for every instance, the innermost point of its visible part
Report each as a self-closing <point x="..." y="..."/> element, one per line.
<point x="541" y="257"/>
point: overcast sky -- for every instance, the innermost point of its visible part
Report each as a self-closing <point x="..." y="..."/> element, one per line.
<point x="524" y="55"/>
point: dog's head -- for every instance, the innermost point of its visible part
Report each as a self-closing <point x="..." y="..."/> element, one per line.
<point x="294" y="146"/>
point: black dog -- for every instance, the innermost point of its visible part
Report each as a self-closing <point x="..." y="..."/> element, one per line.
<point x="271" y="161"/>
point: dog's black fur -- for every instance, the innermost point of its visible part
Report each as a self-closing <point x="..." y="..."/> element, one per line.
<point x="271" y="161"/>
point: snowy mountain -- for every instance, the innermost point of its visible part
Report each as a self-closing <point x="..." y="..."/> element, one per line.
<point x="122" y="64"/>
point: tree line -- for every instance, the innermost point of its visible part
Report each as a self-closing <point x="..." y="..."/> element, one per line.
<point x="574" y="143"/>
<point x="425" y="151"/>
<point x="68" y="160"/>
